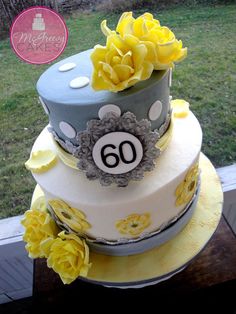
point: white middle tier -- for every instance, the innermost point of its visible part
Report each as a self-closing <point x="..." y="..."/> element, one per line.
<point x="104" y="206"/>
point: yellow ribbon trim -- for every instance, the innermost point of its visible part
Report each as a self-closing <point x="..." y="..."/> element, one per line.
<point x="68" y="159"/>
<point x="71" y="161"/>
<point x="165" y="139"/>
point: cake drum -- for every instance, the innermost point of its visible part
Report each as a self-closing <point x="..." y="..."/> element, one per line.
<point x="163" y="262"/>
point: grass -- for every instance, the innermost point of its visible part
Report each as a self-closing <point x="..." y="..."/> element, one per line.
<point x="206" y="79"/>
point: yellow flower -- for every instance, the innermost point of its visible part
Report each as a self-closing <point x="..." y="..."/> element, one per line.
<point x="69" y="257"/>
<point x="133" y="224"/>
<point x="120" y="64"/>
<point x="186" y="189"/>
<point x="72" y="217"/>
<point x="39" y="226"/>
<point x="180" y="108"/>
<point x="163" y="48"/>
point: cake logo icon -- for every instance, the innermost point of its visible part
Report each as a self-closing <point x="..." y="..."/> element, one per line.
<point x="38" y="35"/>
<point x="38" y="23"/>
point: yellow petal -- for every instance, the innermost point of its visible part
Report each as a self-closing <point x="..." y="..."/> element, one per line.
<point x="107" y="80"/>
<point x="139" y="27"/>
<point x="41" y="161"/>
<point x="181" y="55"/>
<point x="139" y="54"/>
<point x="123" y="71"/>
<point x="39" y="204"/>
<point x="45" y="246"/>
<point x="147" y="16"/>
<point x="105" y="29"/>
<point x="110" y="72"/>
<point x="115" y="41"/>
<point x="127" y="59"/>
<point x="180" y="108"/>
<point x="151" y="55"/>
<point x="98" y="54"/>
<point x="166" y="50"/>
<point x="98" y="83"/>
<point x="147" y="70"/>
<point x="125" y="23"/>
<point x="131" y="40"/>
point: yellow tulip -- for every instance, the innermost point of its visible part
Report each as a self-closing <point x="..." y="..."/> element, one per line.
<point x="120" y="64"/>
<point x="39" y="226"/>
<point x="163" y="48"/>
<point x="69" y="257"/>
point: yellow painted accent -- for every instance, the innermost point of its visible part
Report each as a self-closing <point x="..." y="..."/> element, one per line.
<point x="133" y="224"/>
<point x="175" y="253"/>
<point x="186" y="189"/>
<point x="72" y="217"/>
<point x="41" y="161"/>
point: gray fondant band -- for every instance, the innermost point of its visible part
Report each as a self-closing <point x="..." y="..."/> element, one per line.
<point x="72" y="148"/>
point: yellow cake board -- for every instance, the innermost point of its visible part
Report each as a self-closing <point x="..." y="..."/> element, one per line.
<point x="174" y="254"/>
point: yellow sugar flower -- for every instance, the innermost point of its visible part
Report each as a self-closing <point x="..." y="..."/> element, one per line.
<point x="72" y="217"/>
<point x="133" y="224"/>
<point x="41" y="161"/>
<point x="39" y="226"/>
<point x="162" y="46"/>
<point x="120" y="64"/>
<point x="69" y="257"/>
<point x="186" y="189"/>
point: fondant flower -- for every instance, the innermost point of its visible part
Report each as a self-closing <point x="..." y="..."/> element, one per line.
<point x="69" y="257"/>
<point x="39" y="226"/>
<point x="120" y="64"/>
<point x="134" y="224"/>
<point x="180" y="108"/>
<point x="186" y="189"/>
<point x="71" y="217"/>
<point x="162" y="46"/>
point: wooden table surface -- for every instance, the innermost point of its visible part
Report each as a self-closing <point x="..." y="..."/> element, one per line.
<point x="214" y="267"/>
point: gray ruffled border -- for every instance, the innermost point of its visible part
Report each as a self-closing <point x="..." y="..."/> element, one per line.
<point x="85" y="140"/>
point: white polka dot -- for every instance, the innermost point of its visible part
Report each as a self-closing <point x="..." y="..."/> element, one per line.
<point x="109" y="108"/>
<point x="44" y="106"/>
<point x="155" y="110"/>
<point x="79" y="82"/>
<point x="170" y="78"/>
<point x="67" y="67"/>
<point x="67" y="129"/>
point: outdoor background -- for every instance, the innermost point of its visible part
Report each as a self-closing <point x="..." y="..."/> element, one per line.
<point x="206" y="79"/>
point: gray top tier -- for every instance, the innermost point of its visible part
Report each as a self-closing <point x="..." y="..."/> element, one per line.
<point x="76" y="106"/>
